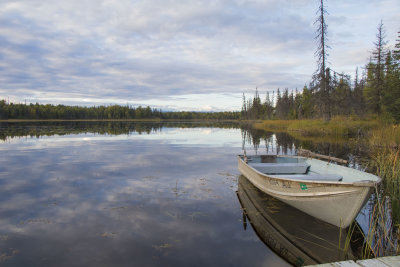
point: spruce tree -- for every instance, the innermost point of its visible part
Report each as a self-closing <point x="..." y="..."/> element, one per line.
<point x="374" y="89"/>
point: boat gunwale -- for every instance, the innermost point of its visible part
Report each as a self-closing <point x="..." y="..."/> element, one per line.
<point x="361" y="183"/>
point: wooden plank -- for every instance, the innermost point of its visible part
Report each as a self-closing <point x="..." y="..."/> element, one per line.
<point x="325" y="265"/>
<point x="347" y="264"/>
<point x="391" y="261"/>
<point x="372" y="263"/>
<point x="337" y="264"/>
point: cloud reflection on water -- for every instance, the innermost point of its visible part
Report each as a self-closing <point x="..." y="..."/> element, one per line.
<point x="125" y="200"/>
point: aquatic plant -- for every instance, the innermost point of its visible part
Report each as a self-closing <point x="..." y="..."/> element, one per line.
<point x="382" y="236"/>
<point x="387" y="163"/>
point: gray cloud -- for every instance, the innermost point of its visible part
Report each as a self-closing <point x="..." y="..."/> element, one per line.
<point x="114" y="51"/>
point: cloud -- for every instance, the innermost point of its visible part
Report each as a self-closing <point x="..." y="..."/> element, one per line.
<point x="133" y="51"/>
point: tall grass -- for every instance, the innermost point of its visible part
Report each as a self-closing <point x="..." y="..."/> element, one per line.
<point x="387" y="163"/>
<point x="384" y="214"/>
<point x="385" y="136"/>
<point x="337" y="127"/>
<point x="381" y="239"/>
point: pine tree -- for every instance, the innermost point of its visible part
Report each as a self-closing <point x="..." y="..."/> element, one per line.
<point x="391" y="95"/>
<point x="396" y="52"/>
<point x="374" y="89"/>
<point x="269" y="108"/>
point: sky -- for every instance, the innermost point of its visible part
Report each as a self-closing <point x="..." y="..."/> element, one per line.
<point x="191" y="55"/>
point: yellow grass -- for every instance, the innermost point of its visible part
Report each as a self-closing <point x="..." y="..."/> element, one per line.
<point x="386" y="136"/>
<point x="373" y="131"/>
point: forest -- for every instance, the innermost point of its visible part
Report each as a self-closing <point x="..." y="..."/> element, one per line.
<point x="113" y="112"/>
<point x="374" y="92"/>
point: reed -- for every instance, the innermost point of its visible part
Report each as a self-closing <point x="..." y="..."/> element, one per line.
<point x="388" y="135"/>
<point x="338" y="126"/>
<point x="380" y="239"/>
<point x="387" y="164"/>
<point x="382" y="236"/>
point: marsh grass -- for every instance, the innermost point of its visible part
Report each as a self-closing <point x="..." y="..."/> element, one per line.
<point x="387" y="164"/>
<point x="382" y="236"/>
<point x="385" y="136"/>
<point x="380" y="239"/>
<point x="337" y="127"/>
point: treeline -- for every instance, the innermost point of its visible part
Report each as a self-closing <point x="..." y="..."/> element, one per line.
<point x="114" y="112"/>
<point x="376" y="91"/>
<point x="49" y="128"/>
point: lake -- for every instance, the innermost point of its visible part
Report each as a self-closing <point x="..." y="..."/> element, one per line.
<point x="138" y="194"/>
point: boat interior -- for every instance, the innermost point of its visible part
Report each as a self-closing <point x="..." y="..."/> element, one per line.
<point x="301" y="168"/>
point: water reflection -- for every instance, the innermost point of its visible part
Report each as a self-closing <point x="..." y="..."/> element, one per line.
<point x="296" y="236"/>
<point x="9" y="130"/>
<point x="283" y="143"/>
<point x="128" y="193"/>
<point x="143" y="201"/>
<point x="258" y="140"/>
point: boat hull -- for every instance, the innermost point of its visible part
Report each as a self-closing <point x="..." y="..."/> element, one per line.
<point x="333" y="202"/>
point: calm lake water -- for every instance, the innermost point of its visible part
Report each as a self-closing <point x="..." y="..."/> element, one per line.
<point x="136" y="194"/>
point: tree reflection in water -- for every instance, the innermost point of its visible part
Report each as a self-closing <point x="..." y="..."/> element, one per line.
<point x="283" y="143"/>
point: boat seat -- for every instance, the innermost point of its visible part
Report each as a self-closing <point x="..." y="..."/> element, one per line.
<point x="313" y="177"/>
<point x="281" y="168"/>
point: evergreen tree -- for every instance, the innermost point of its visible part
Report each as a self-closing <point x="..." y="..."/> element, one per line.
<point x="391" y="95"/>
<point x="374" y="89"/>
<point x="396" y="52"/>
<point x="268" y="107"/>
<point x="306" y="105"/>
<point x="341" y="97"/>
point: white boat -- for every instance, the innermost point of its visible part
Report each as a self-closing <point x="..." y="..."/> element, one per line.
<point x="327" y="191"/>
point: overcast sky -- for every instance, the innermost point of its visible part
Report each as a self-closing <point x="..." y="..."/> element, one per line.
<point x="176" y="54"/>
